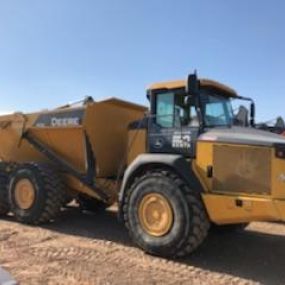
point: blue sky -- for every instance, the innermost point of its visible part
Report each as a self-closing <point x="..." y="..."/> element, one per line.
<point x="56" y="51"/>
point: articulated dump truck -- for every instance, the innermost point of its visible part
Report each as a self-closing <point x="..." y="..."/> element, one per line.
<point x="174" y="169"/>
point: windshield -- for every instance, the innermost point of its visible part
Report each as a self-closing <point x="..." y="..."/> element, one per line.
<point x="171" y="111"/>
<point x="216" y="110"/>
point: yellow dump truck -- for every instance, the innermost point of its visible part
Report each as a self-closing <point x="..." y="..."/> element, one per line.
<point x="174" y="169"/>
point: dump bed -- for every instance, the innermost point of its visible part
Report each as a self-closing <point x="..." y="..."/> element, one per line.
<point x="66" y="132"/>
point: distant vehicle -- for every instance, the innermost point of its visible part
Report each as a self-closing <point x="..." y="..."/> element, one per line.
<point x="278" y="127"/>
<point x="275" y="126"/>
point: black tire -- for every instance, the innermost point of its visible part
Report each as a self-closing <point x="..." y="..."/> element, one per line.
<point x="91" y="204"/>
<point x="4" y="203"/>
<point x="49" y="193"/>
<point x="190" y="225"/>
<point x="229" y="228"/>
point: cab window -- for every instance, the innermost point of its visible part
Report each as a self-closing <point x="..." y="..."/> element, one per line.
<point x="165" y="110"/>
<point x="217" y="110"/>
<point x="172" y="112"/>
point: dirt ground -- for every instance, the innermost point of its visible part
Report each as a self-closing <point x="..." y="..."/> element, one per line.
<point x="95" y="249"/>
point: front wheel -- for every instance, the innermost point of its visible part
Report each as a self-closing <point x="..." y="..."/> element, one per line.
<point x="164" y="216"/>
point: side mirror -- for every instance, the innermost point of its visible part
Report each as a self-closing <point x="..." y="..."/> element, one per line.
<point x="252" y="114"/>
<point x="192" y="86"/>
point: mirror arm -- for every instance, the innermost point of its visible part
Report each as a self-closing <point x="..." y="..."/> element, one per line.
<point x="192" y="84"/>
<point x="252" y="109"/>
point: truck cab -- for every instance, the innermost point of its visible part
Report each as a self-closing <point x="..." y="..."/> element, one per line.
<point x="178" y="119"/>
<point x="182" y="110"/>
<point x="189" y="143"/>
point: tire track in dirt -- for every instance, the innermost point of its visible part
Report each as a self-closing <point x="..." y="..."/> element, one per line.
<point x="41" y="256"/>
<point x="81" y="264"/>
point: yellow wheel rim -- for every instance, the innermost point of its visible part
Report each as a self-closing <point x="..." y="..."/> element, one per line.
<point x="155" y="215"/>
<point x="25" y="194"/>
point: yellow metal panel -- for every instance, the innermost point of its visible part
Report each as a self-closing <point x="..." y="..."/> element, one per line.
<point x="67" y="142"/>
<point x="278" y="171"/>
<point x="168" y="85"/>
<point x="217" y="85"/>
<point x="267" y="170"/>
<point x="136" y="144"/>
<point x="107" y="127"/>
<point x="124" y="103"/>
<point x="223" y="209"/>
<point x="242" y="169"/>
<point x="280" y="206"/>
<point x="204" y="83"/>
<point x="13" y="148"/>
<point x="204" y="158"/>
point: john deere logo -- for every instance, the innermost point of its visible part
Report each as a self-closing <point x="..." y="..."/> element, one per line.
<point x="62" y="122"/>
<point x="158" y="143"/>
<point x="282" y="177"/>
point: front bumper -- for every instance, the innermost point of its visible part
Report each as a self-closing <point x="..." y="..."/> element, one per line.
<point x="229" y="209"/>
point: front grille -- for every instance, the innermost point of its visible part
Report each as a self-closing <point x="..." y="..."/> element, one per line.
<point x="242" y="169"/>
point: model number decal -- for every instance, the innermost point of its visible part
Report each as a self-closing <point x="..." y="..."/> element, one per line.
<point x="181" y="141"/>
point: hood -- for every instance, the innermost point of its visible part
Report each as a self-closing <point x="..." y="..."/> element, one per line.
<point x="240" y="135"/>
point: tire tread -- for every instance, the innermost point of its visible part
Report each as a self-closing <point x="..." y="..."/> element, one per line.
<point x="201" y="225"/>
<point x="54" y="188"/>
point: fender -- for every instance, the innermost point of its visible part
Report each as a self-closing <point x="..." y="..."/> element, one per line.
<point x="177" y="163"/>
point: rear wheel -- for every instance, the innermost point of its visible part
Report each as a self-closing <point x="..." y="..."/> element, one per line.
<point x="4" y="204"/>
<point x="164" y="216"/>
<point x="36" y="193"/>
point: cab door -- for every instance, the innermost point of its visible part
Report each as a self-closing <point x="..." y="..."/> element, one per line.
<point x="171" y="128"/>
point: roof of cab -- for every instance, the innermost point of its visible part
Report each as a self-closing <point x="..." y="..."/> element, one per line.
<point x="206" y="83"/>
